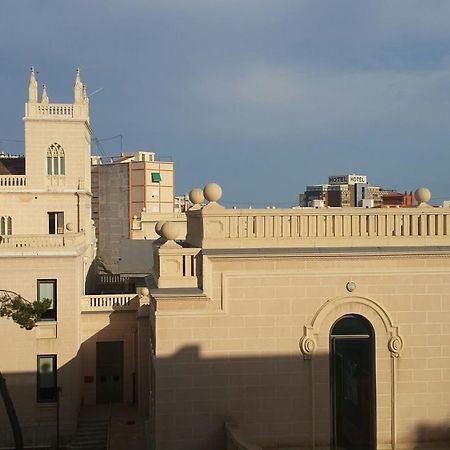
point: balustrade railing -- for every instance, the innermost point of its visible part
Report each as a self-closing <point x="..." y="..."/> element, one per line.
<point x="340" y="224"/>
<point x="13" y="181"/>
<point x="39" y="241"/>
<point x="109" y="302"/>
<point x="306" y="224"/>
<point x="55" y="109"/>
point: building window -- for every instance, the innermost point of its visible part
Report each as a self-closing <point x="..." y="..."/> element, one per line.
<point x="55" y="223"/>
<point x="156" y="177"/>
<point x="56" y="160"/>
<point x="5" y="225"/>
<point x="46" y="289"/>
<point x="46" y="378"/>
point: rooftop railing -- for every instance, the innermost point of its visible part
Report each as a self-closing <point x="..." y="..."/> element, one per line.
<point x="309" y="226"/>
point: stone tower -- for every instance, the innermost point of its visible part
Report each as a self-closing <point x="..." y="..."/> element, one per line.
<point x="57" y="160"/>
<point x="57" y="140"/>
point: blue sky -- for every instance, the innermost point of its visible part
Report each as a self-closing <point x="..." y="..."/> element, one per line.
<point x="263" y="97"/>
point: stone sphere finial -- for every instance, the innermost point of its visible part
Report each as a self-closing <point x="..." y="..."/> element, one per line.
<point x="212" y="192"/>
<point x="169" y="231"/>
<point x="196" y="196"/>
<point x="158" y="227"/>
<point x="422" y="195"/>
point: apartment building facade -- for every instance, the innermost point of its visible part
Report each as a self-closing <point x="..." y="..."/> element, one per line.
<point x="130" y="195"/>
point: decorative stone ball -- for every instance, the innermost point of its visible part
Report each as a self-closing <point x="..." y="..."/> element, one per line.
<point x="158" y="227"/>
<point x="212" y="192"/>
<point x="350" y="286"/>
<point x="144" y="292"/>
<point x="170" y="231"/>
<point x="422" y="195"/>
<point x="196" y="196"/>
<point x="70" y="226"/>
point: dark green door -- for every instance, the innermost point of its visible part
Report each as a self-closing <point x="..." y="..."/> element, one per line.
<point x="353" y="383"/>
<point x="109" y="372"/>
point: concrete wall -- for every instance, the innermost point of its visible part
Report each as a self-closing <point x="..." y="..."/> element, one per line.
<point x="110" y="208"/>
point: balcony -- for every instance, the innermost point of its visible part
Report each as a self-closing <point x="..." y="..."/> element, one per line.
<point x="13" y="181"/>
<point x="110" y="303"/>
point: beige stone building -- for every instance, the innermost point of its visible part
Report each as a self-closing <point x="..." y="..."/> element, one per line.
<point x="302" y="329"/>
<point x="87" y="346"/>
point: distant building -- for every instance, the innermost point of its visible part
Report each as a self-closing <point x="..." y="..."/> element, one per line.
<point x="352" y="191"/>
<point x="134" y="187"/>
<point x="397" y="199"/>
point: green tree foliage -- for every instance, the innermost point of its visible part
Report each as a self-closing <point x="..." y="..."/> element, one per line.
<point x="21" y="311"/>
<point x="25" y="314"/>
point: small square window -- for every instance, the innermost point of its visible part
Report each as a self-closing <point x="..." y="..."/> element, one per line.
<point x="46" y="289"/>
<point x="156" y="177"/>
<point x="46" y="378"/>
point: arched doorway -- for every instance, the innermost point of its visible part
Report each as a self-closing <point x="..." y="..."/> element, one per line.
<point x="352" y="375"/>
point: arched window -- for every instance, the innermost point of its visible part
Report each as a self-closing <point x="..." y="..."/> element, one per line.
<point x="352" y="364"/>
<point x="5" y="225"/>
<point x="56" y="160"/>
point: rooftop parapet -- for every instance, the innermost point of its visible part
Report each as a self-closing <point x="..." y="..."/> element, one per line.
<point x="212" y="226"/>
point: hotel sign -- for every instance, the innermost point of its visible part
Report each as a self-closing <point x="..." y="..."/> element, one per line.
<point x="347" y="179"/>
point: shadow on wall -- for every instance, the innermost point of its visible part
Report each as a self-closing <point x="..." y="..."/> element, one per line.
<point x="277" y="402"/>
<point x="78" y="379"/>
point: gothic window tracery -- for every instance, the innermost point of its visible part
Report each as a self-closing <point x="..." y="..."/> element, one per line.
<point x="56" y="160"/>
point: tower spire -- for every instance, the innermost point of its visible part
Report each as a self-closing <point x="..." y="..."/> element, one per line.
<point x="78" y="88"/>
<point x="32" y="87"/>
<point x="44" y="98"/>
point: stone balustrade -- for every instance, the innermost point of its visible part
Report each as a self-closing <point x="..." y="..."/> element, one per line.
<point x="109" y="303"/>
<point x="40" y="241"/>
<point x="60" y="111"/>
<point x="306" y="227"/>
<point x="55" y="109"/>
<point x="177" y="267"/>
<point x="13" y="181"/>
